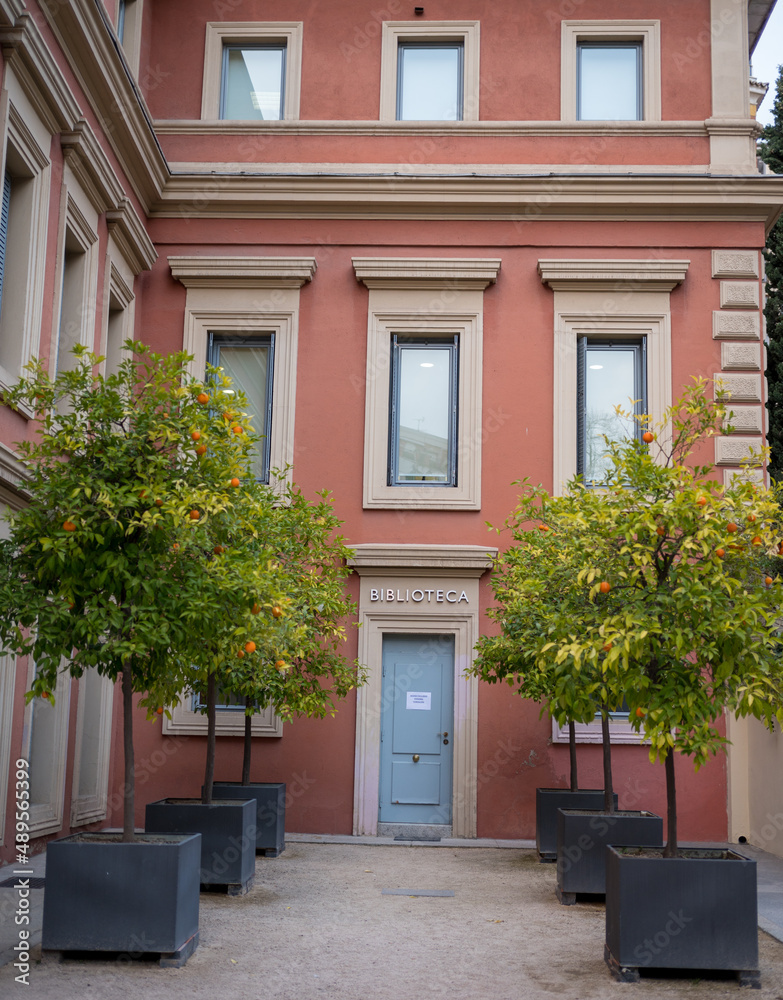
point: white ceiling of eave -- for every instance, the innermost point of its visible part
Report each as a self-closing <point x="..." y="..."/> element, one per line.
<point x="758" y="12"/>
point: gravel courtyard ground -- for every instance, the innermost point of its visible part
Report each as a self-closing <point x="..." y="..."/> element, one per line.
<point x="316" y="925"/>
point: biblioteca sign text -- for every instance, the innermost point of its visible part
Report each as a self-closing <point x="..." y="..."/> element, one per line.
<point x="425" y="595"/>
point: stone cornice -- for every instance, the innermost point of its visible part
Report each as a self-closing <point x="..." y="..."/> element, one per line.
<point x="90" y="46"/>
<point x="13" y="476"/>
<point x="601" y="275"/>
<point x="40" y="76"/>
<point x="242" y="272"/>
<point x="208" y="126"/>
<point x="91" y="165"/>
<point x="426" y="272"/>
<point x="410" y="560"/>
<point x="521" y="198"/>
<point x="131" y="236"/>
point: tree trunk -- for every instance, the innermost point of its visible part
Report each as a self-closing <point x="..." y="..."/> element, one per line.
<point x="572" y="756"/>
<point x="209" y="771"/>
<point x="129" y="789"/>
<point x="670" y="851"/>
<point x="248" y="747"/>
<point x="607" y="749"/>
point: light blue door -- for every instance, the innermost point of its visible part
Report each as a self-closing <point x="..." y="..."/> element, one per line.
<point x="417" y="723"/>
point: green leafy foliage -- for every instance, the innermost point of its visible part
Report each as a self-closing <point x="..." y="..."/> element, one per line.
<point x="654" y="588"/>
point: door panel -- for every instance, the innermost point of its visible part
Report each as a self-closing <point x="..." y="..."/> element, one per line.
<point x="417" y="718"/>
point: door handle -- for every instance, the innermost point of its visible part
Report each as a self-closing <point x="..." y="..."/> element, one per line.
<point x="442" y="734"/>
<point x="415" y="758"/>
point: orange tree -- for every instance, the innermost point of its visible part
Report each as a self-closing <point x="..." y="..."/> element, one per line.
<point x="676" y="611"/>
<point x="126" y="473"/>
<point x="276" y="611"/>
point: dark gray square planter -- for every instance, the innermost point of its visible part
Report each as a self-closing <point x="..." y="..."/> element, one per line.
<point x="582" y="837"/>
<point x="269" y="797"/>
<point x="103" y="895"/>
<point x="681" y="913"/>
<point x="548" y="801"/>
<point x="228" y="837"/>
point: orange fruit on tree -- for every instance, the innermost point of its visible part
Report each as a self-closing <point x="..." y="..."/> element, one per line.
<point x="543" y="527"/>
<point x="160" y="711"/>
<point x="255" y="609"/>
<point x="218" y="550"/>
<point x="235" y="482"/>
<point x="69" y="526"/>
<point x="277" y="611"/>
<point x="202" y="397"/>
<point x="751" y="517"/>
<point x="607" y="646"/>
<point x="281" y="665"/>
<point x="158" y="502"/>
<point x="201" y="450"/>
<point x="241" y="654"/>
<point x="756" y="540"/>
<point x="227" y="416"/>
<point x="250" y="647"/>
<point x="640" y="713"/>
<point x="175" y="547"/>
<point x="701" y="501"/>
<point x="720" y="553"/>
<point x="731" y="527"/>
<point x="768" y="580"/>
<point x="605" y="587"/>
<point x="660" y="530"/>
<point x="648" y="437"/>
<point x="237" y="429"/>
<point x="196" y="435"/>
<point x="44" y="694"/>
<point x="194" y="515"/>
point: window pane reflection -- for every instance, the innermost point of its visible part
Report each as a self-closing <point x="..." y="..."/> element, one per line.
<point x="609" y="83"/>
<point x="424" y="415"/>
<point x="253" y="83"/>
<point x="430" y="85"/>
<point x="610" y="380"/>
<point x="248" y="367"/>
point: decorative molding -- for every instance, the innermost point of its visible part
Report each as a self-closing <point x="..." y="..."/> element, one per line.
<point x="243" y="272"/>
<point x="131" y="236"/>
<point x="520" y="198"/>
<point x="41" y="78"/>
<point x="421" y="560"/>
<point x="13" y="476"/>
<point x="92" y="734"/>
<point x="740" y="357"/>
<point x="91" y="166"/>
<point x="739" y="295"/>
<point x="753" y="475"/>
<point x="469" y="273"/>
<point x="463" y="129"/>
<point x="739" y="388"/>
<point x="736" y="450"/>
<point x="745" y="419"/>
<point x="228" y="722"/>
<point x="88" y="41"/>
<point x="606" y="275"/>
<point x="735" y="326"/>
<point x="735" y="264"/>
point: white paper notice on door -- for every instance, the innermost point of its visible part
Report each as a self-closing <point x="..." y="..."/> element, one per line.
<point x="421" y="700"/>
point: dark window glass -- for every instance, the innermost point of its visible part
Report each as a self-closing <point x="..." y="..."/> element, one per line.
<point x="4" y="212"/>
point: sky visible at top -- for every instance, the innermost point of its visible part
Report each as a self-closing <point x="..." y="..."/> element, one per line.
<point x="766" y="58"/>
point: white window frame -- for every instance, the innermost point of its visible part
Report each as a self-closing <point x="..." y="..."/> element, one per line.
<point x="131" y="36"/>
<point x="79" y="218"/>
<point x="7" y="691"/>
<point x="466" y="32"/>
<point x="222" y="33"/>
<point x="620" y="731"/>
<point x="228" y="722"/>
<point x="420" y="297"/>
<point x="91" y="807"/>
<point x="25" y="264"/>
<point x="648" y="33"/>
<point x="249" y="295"/>
<point x="47" y="817"/>
<point x="119" y="289"/>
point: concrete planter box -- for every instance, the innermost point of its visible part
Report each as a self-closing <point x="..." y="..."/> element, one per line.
<point x="548" y="801"/>
<point x="228" y="837"/>
<point x="681" y="913"/>
<point x="103" y="895"/>
<point x="269" y="797"/>
<point x="582" y="837"/>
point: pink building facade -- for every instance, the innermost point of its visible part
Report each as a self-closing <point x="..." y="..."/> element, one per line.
<point x="500" y="190"/>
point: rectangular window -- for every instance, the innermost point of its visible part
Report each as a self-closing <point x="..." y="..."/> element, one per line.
<point x="121" y="21"/>
<point x="4" y="211"/>
<point x="423" y="423"/>
<point x="609" y="81"/>
<point x="610" y="373"/>
<point x="430" y="81"/>
<point x="249" y="363"/>
<point x="252" y="87"/>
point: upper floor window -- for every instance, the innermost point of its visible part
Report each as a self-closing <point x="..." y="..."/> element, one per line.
<point x="252" y="71"/>
<point x="4" y="212"/>
<point x="610" y="373"/>
<point x="248" y="360"/>
<point x="423" y="425"/>
<point x="429" y="71"/>
<point x="430" y="81"/>
<point x="610" y="70"/>
<point x="253" y="82"/>
<point x="609" y="81"/>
